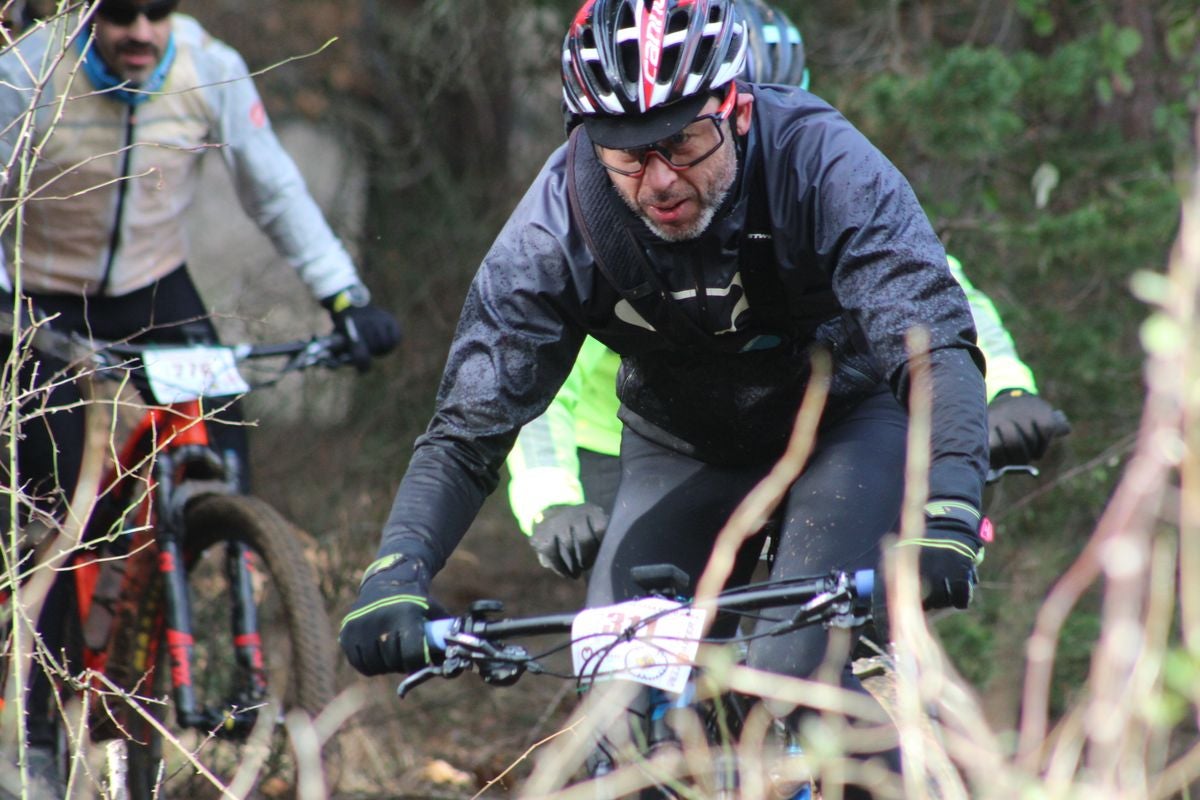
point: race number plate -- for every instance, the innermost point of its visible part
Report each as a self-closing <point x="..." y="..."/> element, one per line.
<point x="660" y="654"/>
<point x="177" y="374"/>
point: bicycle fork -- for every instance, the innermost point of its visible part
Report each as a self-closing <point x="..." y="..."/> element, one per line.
<point x="239" y="713"/>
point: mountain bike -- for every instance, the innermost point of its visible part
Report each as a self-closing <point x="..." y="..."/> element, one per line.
<point x="653" y="641"/>
<point x="185" y="588"/>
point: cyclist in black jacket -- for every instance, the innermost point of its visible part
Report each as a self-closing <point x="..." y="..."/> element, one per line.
<point x="749" y="225"/>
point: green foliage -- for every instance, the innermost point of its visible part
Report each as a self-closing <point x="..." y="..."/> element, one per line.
<point x="1181" y="42"/>
<point x="1181" y="676"/>
<point x="1079" y="636"/>
<point x="1030" y="158"/>
<point x="969" y="637"/>
<point x="1039" y="15"/>
<point x="961" y="110"/>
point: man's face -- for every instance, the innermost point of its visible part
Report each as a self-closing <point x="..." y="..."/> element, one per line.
<point x="678" y="205"/>
<point x="132" y="50"/>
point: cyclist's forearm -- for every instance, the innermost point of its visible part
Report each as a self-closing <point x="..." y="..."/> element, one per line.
<point x="958" y="438"/>
<point x="1005" y="369"/>
<point x="269" y="184"/>
<point x="278" y="201"/>
<point x="544" y="465"/>
<point x="435" y="504"/>
<point x="958" y="425"/>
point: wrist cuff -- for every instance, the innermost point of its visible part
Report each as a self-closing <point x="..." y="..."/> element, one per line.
<point x="354" y="296"/>
<point x="1012" y="392"/>
<point x="381" y="564"/>
<point x="958" y="511"/>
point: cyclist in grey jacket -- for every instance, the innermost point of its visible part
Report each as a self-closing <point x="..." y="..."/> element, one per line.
<point x="105" y="115"/>
<point x="105" y="112"/>
<point x="762" y="226"/>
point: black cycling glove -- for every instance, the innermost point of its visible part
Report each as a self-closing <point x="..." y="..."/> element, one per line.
<point x="385" y="628"/>
<point x="567" y="537"/>
<point x="951" y="550"/>
<point x="370" y="330"/>
<point x="1020" y="427"/>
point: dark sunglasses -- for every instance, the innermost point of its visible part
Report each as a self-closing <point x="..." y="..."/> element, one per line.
<point x="126" y="12"/>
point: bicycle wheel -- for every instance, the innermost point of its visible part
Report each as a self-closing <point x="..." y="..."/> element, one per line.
<point x="297" y="648"/>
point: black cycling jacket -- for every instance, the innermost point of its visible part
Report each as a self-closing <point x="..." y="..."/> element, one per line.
<point x="845" y="224"/>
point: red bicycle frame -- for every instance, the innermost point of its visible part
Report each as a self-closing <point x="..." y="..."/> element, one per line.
<point x="167" y="459"/>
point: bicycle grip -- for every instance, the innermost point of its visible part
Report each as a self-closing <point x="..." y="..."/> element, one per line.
<point x="436" y="631"/>
<point x="864" y="583"/>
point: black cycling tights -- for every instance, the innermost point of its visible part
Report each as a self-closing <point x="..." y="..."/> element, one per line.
<point x="600" y="475"/>
<point x="670" y="508"/>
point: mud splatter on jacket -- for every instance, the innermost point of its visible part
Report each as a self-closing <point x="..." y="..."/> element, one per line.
<point x="844" y="222"/>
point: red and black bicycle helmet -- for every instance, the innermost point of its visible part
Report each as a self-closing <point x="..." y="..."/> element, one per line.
<point x="639" y="70"/>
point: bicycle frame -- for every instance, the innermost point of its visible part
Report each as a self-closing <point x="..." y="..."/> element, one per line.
<point x="174" y="441"/>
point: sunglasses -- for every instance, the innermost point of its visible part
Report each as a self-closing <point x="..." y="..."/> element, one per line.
<point x="126" y="12"/>
<point x="700" y="139"/>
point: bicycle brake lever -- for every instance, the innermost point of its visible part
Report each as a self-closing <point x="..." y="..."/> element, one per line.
<point x="994" y="475"/>
<point x="417" y="678"/>
<point x="499" y="666"/>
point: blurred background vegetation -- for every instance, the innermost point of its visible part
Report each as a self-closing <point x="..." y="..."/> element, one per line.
<point x="1048" y="140"/>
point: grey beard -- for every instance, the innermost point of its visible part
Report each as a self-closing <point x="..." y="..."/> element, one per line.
<point x="711" y="203"/>
<point x="693" y="231"/>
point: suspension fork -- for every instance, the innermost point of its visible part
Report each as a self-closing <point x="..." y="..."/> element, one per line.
<point x="247" y="642"/>
<point x="180" y="638"/>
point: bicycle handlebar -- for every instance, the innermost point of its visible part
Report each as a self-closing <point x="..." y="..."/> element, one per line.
<point x="472" y="640"/>
<point x="331" y="350"/>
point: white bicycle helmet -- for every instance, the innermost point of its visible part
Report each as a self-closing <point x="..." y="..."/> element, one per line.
<point x="639" y="70"/>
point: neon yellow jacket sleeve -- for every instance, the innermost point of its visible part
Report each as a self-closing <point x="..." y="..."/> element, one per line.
<point x="544" y="464"/>
<point x="1005" y="369"/>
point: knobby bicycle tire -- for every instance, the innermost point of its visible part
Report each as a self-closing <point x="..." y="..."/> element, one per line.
<point x="292" y="614"/>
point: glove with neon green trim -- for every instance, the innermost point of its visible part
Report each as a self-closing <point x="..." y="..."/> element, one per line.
<point x="385" y="628"/>
<point x="951" y="550"/>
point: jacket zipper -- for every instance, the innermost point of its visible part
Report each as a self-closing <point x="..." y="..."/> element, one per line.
<point x="701" y="289"/>
<point x="114" y="240"/>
